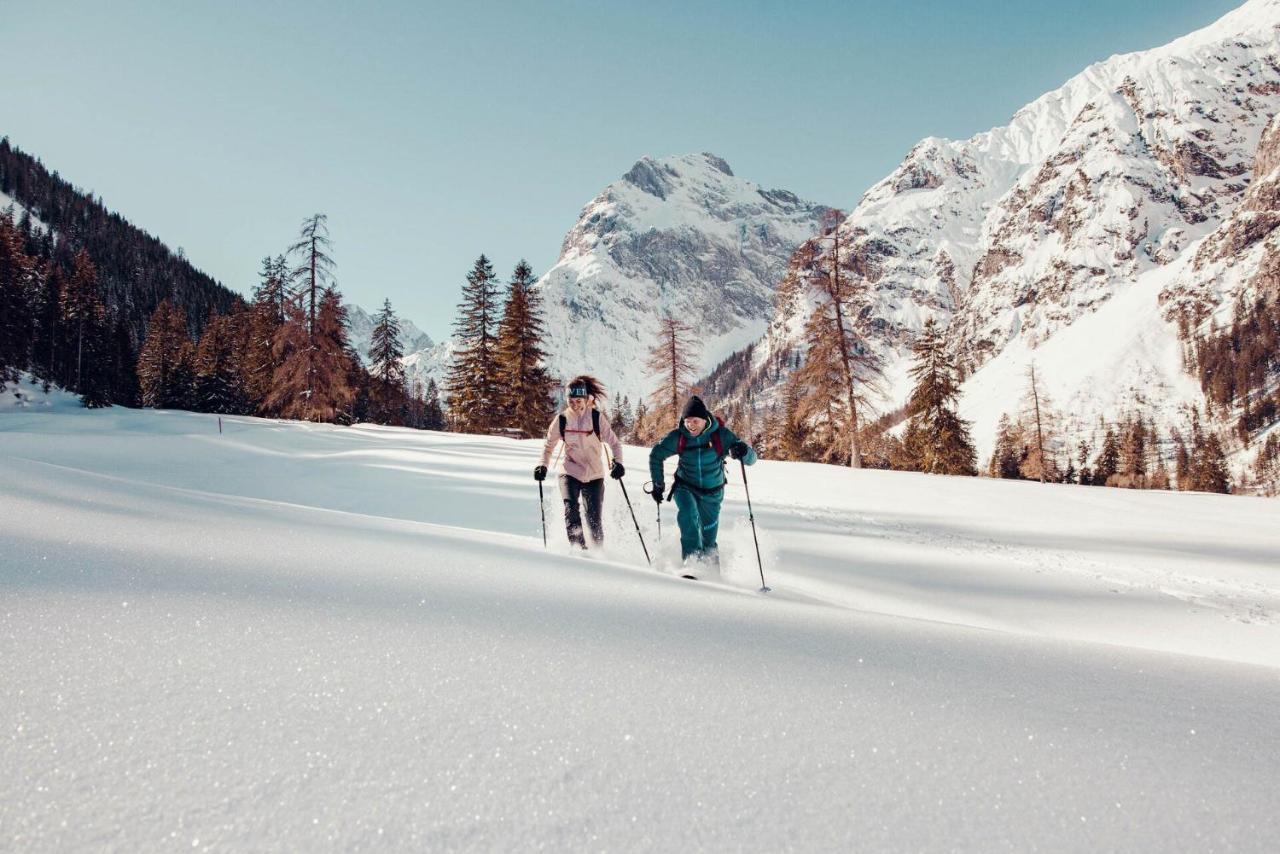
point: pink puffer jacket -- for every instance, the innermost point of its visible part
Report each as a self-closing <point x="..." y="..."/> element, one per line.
<point x="583" y="457"/>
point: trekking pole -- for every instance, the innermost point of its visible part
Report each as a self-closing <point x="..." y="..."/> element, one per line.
<point x="542" y="505"/>
<point x="764" y="588"/>
<point x="647" y="559"/>
<point x="608" y="456"/>
<point x="648" y="490"/>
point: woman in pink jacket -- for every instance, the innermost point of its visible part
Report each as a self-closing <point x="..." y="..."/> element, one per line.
<point x="584" y="430"/>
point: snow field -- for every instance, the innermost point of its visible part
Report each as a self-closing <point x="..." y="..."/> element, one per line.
<point x="306" y="637"/>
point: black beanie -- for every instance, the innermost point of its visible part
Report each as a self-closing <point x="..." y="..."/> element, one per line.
<point x="695" y="408"/>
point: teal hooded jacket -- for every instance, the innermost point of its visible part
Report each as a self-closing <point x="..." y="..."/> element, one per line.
<point x="699" y="465"/>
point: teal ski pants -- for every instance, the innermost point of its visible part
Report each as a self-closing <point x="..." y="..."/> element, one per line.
<point x="699" y="520"/>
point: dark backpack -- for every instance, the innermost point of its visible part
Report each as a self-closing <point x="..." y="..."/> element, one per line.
<point x="595" y="423"/>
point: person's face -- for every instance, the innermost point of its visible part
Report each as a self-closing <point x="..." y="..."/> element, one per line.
<point x="694" y="424"/>
<point x="578" y="405"/>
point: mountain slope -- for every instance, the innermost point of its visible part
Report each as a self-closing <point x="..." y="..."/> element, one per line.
<point x="1013" y="236"/>
<point x="677" y="234"/>
<point x="135" y="269"/>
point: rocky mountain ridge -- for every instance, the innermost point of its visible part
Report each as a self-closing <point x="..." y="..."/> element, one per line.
<point x="678" y="234"/>
<point x="1132" y="179"/>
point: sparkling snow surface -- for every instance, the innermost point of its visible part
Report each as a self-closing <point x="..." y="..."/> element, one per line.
<point x="299" y="637"/>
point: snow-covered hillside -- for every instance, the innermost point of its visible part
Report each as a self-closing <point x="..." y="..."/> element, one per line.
<point x="1014" y="237"/>
<point x="305" y="637"/>
<point x="676" y="234"/>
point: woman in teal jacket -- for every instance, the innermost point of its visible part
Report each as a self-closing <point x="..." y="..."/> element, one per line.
<point x="701" y="443"/>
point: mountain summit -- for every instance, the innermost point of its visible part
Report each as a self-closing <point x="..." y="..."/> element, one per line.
<point x="678" y="234"/>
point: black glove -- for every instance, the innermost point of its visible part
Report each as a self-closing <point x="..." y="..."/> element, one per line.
<point x="617" y="471"/>
<point x="738" y="450"/>
<point x="657" y="492"/>
<point x="540" y="473"/>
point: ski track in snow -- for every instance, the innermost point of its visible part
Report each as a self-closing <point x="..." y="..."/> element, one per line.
<point x="306" y="637"/>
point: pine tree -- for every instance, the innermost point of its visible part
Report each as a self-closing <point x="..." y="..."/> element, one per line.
<point x="1006" y="458"/>
<point x="266" y="315"/>
<point x="1082" y="454"/>
<point x="164" y="363"/>
<point x="620" y="414"/>
<point x="290" y="387"/>
<point x="314" y="269"/>
<point x="313" y="382"/>
<point x="1039" y="464"/>
<point x="821" y="384"/>
<point x="84" y="315"/>
<point x="1108" y="461"/>
<point x="48" y="346"/>
<point x="672" y="362"/>
<point x="123" y="363"/>
<point x="472" y="385"/>
<point x="524" y="384"/>
<point x="1208" y="469"/>
<point x="838" y="360"/>
<point x="1132" y="468"/>
<point x="789" y="442"/>
<point x="386" y="367"/>
<point x="433" y="413"/>
<point x="936" y="439"/>
<point x="217" y="386"/>
<point x="18" y="297"/>
<point x="1181" y="461"/>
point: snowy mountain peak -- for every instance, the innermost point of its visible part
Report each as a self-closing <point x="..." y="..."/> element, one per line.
<point x="1015" y="235"/>
<point x="682" y="234"/>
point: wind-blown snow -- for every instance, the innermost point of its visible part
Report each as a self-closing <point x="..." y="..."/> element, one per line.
<point x="310" y="637"/>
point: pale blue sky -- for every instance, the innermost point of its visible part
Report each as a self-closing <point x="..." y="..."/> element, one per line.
<point x="431" y="133"/>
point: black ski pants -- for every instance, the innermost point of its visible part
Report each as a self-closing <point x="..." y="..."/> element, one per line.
<point x="592" y="495"/>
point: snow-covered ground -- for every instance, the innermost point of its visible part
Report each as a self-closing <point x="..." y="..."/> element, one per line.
<point x="301" y="637"/>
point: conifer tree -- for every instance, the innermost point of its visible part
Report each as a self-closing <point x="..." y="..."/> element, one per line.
<point x="672" y="362"/>
<point x="821" y="407"/>
<point x="84" y="315"/>
<point x="386" y="368"/>
<point x="313" y="382"/>
<point x="1181" y="460"/>
<point x="621" y="417"/>
<point x="314" y="268"/>
<point x="789" y="442"/>
<point x="1108" y="461"/>
<point x="524" y="384"/>
<point x="433" y="412"/>
<point x="164" y="372"/>
<point x="936" y="439"/>
<point x="290" y="386"/>
<point x="217" y="383"/>
<point x="123" y="363"/>
<point x="472" y="385"/>
<point x="1082" y="454"/>
<point x="839" y="365"/>
<point x="641" y="428"/>
<point x="1208" y="468"/>
<point x="266" y="315"/>
<point x="48" y="347"/>
<point x="1041" y="433"/>
<point x="18" y="294"/>
<point x="1006" y="458"/>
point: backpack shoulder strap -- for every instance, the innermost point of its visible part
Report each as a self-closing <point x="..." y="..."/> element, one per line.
<point x="595" y="422"/>
<point x="716" y="442"/>
<point x="563" y="422"/>
<point x="680" y="442"/>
